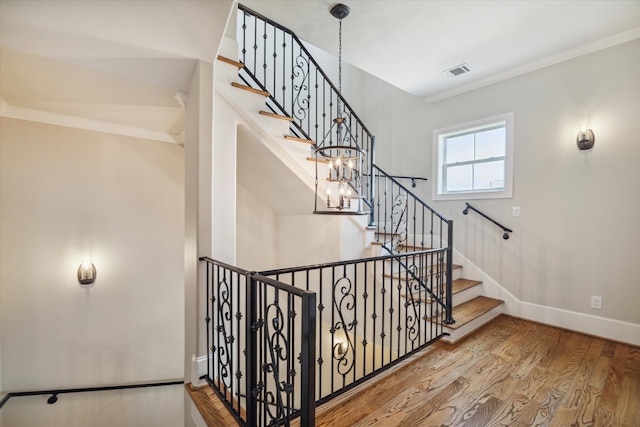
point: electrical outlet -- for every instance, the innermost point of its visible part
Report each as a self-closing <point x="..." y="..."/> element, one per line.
<point x="516" y="211"/>
<point x="596" y="302"/>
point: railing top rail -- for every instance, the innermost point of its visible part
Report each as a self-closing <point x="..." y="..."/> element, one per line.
<point x="258" y="276"/>
<point x="348" y="262"/>
<point x="435" y="212"/>
<point x="303" y="48"/>
<point x="225" y="265"/>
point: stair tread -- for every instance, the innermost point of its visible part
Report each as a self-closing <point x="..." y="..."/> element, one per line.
<point x="277" y="116"/>
<point x="250" y="89"/>
<point x="230" y="61"/>
<point x="457" y="286"/>
<point x="295" y="138"/>
<point x="472" y="309"/>
<point x="439" y="267"/>
<point x="313" y="159"/>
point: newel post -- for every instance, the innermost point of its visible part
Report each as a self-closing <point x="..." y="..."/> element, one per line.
<point x="449" y="289"/>
<point x="308" y="359"/>
<point x="252" y="350"/>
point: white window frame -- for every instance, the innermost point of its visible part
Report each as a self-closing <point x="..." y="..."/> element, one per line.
<point x="439" y="136"/>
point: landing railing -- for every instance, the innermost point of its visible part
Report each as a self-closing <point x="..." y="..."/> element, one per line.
<point x="276" y="61"/>
<point x="371" y="313"/>
<point x="260" y="339"/>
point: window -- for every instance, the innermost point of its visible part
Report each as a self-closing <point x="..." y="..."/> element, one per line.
<point x="474" y="160"/>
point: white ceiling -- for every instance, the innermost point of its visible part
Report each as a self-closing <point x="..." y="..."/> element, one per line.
<point x="410" y="43"/>
<point x="117" y="66"/>
<point x="125" y="62"/>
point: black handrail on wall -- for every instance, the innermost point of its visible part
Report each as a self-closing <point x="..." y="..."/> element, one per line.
<point x="506" y="230"/>
<point x="55" y="392"/>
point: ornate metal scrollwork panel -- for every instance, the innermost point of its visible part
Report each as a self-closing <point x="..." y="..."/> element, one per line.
<point x="343" y="351"/>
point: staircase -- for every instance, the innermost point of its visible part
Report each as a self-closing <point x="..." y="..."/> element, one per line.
<point x="471" y="310"/>
<point x="403" y="283"/>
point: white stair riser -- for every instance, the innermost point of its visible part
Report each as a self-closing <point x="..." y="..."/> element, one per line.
<point x="458" y="334"/>
<point x="467" y="295"/>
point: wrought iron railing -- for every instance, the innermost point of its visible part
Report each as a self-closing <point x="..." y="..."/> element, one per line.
<point x="367" y="314"/>
<point x="405" y="223"/>
<point x="371" y="313"/>
<point x="260" y="338"/>
<point x="276" y="61"/>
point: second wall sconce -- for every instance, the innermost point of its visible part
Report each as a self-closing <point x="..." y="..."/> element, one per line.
<point x="585" y="139"/>
<point x="86" y="272"/>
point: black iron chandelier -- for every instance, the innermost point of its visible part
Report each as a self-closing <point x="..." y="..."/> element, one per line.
<point x="340" y="152"/>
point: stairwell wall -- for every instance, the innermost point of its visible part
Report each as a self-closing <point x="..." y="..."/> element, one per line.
<point x="577" y="235"/>
<point x="69" y="194"/>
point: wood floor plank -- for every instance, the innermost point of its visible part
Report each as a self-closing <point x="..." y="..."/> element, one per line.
<point x="509" y="373"/>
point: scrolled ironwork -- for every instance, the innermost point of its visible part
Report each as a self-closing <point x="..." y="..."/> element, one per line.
<point x="224" y="328"/>
<point x="300" y="84"/>
<point x="344" y="304"/>
<point x="398" y="221"/>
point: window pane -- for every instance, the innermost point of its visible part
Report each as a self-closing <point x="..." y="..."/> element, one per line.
<point x="489" y="176"/>
<point x="459" y="148"/>
<point x="490" y="143"/>
<point x="459" y="178"/>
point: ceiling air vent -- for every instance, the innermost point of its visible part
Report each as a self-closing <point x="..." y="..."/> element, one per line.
<point x="458" y="70"/>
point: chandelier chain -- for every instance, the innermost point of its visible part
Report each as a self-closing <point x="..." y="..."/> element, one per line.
<point x="339" y="66"/>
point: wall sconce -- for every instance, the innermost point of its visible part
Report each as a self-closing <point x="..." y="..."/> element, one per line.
<point x="585" y="139"/>
<point x="86" y="272"/>
<point x="341" y="348"/>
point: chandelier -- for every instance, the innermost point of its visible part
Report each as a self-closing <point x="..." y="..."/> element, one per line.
<point x="340" y="152"/>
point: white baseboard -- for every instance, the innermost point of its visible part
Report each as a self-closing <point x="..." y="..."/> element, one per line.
<point x="612" y="329"/>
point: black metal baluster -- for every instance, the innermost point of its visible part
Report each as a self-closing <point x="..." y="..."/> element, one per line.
<point x="333" y="322"/>
<point x="308" y="374"/>
<point x="320" y="333"/>
<point x="374" y="316"/>
<point x="261" y="337"/>
<point x="355" y="319"/>
<point x="251" y="331"/>
<point x="255" y="47"/>
<point x="383" y="298"/>
<point x="290" y="357"/>
<point x="449" y="319"/>
<point x="207" y="319"/>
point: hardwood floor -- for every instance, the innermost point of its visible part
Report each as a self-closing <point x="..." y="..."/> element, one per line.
<point x="510" y="373"/>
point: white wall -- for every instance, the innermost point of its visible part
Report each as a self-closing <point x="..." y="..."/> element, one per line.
<point x="68" y="194"/>
<point x="578" y="234"/>
<point x="257" y="233"/>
